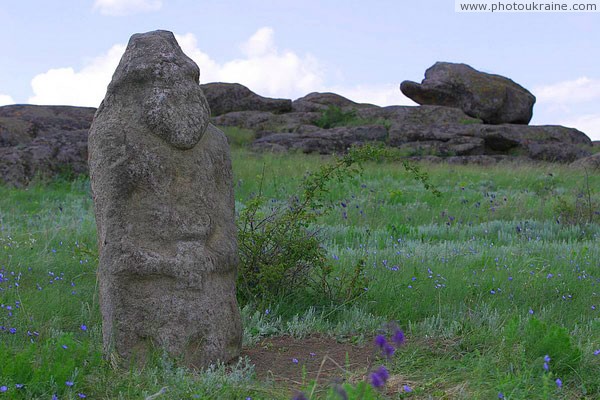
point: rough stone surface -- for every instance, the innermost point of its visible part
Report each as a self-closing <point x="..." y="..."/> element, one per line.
<point x="228" y="97"/>
<point x="316" y="102"/>
<point x="42" y="141"/>
<point x="591" y="163"/>
<point x="163" y="194"/>
<point x="492" y="98"/>
<point x="323" y="141"/>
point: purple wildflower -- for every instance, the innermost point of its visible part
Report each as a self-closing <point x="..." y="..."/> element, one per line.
<point x="597" y="352"/>
<point x="295" y="360"/>
<point x="83" y="327"/>
<point x="407" y="388"/>
<point x="81" y="395"/>
<point x="69" y="383"/>
<point x="388" y="350"/>
<point x="398" y="337"/>
<point x="379" y="377"/>
<point x="380" y="341"/>
<point x="558" y="383"/>
<point x="3" y="389"/>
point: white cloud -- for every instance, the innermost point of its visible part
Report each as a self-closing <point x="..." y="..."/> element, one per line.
<point x="264" y="69"/>
<point x="588" y="124"/>
<point x="259" y="44"/>
<point x="6" y="100"/>
<point x="267" y="70"/>
<point x="86" y="87"/>
<point x="571" y="103"/>
<point x="580" y="90"/>
<point x="126" y="7"/>
<point x="381" y="95"/>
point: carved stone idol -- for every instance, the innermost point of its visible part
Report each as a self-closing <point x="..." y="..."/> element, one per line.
<point x="163" y="195"/>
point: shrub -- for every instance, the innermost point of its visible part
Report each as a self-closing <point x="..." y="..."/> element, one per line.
<point x="280" y="250"/>
<point x="334" y="116"/>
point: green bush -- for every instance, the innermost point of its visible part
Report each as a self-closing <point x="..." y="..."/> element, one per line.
<point x="280" y="250"/>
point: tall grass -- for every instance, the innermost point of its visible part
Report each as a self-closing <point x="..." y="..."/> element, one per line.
<point x="486" y="280"/>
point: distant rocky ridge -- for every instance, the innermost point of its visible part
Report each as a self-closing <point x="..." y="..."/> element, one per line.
<point x="43" y="141"/>
<point x="467" y="127"/>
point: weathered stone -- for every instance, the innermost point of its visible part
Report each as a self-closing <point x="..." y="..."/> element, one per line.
<point x="20" y="124"/>
<point x="316" y="102"/>
<point x="591" y="163"/>
<point x="163" y="194"/>
<point x="323" y="141"/>
<point x="266" y="121"/>
<point x="228" y="97"/>
<point x="42" y="141"/>
<point x="492" y="98"/>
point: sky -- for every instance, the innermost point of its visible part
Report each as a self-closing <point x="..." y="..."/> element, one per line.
<point x="65" y="52"/>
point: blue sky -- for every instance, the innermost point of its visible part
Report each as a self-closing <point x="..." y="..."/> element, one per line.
<point x="64" y="52"/>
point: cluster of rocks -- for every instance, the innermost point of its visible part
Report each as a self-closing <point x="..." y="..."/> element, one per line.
<point x="464" y="116"/>
<point x="43" y="141"/>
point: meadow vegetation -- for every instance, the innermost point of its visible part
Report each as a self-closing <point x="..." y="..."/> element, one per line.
<point x="494" y="281"/>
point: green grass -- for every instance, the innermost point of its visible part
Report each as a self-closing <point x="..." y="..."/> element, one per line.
<point x="500" y="270"/>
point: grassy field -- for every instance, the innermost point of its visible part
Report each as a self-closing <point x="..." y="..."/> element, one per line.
<point x="486" y="280"/>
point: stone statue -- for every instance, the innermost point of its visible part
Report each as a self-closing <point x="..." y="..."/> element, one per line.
<point x="163" y="196"/>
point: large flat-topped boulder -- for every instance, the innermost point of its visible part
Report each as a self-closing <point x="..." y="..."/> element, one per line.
<point x="491" y="98"/>
<point x="228" y="97"/>
<point x="163" y="195"/>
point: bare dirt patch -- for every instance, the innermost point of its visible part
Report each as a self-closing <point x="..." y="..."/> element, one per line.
<point x="295" y="362"/>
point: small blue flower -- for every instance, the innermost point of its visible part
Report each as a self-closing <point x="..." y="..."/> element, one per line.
<point x="500" y="395"/>
<point x="398" y="337"/>
<point x="388" y="350"/>
<point x="597" y="352"/>
<point x="379" y="377"/>
<point x="3" y="389"/>
<point x="19" y="385"/>
<point x="83" y="327"/>
<point x="69" y="383"/>
<point x="81" y="395"/>
<point x="407" y="388"/>
<point x="295" y="360"/>
<point x="558" y="382"/>
<point x="380" y="341"/>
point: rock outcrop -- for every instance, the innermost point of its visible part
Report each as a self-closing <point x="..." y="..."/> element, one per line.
<point x="465" y="123"/>
<point x="492" y="98"/>
<point x="228" y="97"/>
<point x="591" y="163"/>
<point x="42" y="142"/>
<point x="309" y="139"/>
<point x="316" y="102"/>
<point x="163" y="195"/>
<point x="428" y="131"/>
